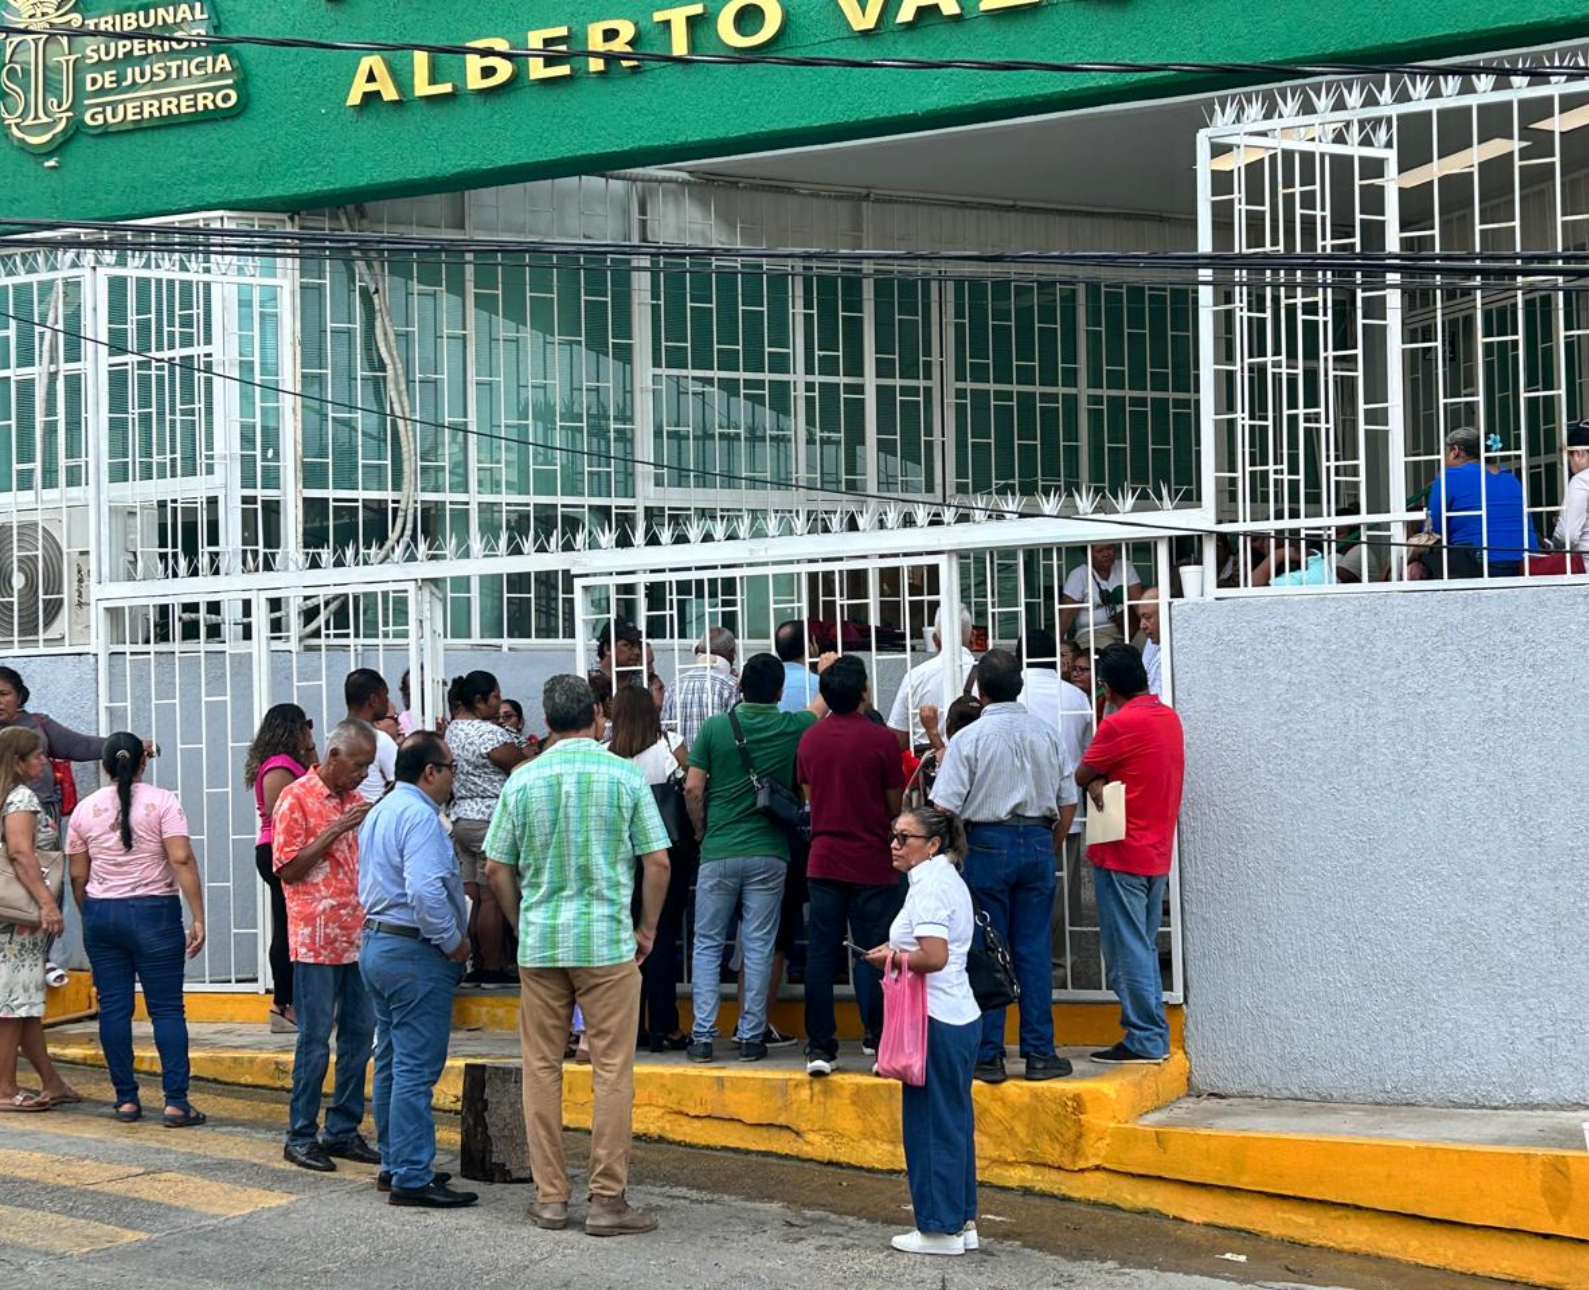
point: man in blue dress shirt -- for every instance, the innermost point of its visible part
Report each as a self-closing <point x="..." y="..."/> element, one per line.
<point x="414" y="948"/>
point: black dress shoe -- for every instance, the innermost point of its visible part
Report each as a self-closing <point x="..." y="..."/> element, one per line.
<point x="354" y="1148"/>
<point x="1047" y="1067"/>
<point x="435" y="1195"/>
<point x="990" y="1072"/>
<point x="309" y="1156"/>
<point x="383" y="1180"/>
<point x="668" y="1043"/>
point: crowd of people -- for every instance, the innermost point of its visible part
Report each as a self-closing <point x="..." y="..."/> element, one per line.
<point x="763" y="802"/>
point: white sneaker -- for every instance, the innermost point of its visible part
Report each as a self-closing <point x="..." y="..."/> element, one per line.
<point x="968" y="1235"/>
<point x="929" y="1243"/>
<point x="54" y="976"/>
<point x="817" y="1067"/>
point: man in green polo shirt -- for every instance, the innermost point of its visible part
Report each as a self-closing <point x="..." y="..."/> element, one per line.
<point x="744" y="854"/>
<point x="562" y="847"/>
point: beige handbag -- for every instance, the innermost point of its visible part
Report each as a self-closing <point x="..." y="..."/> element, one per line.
<point x="16" y="901"/>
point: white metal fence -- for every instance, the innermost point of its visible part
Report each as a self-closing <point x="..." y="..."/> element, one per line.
<point x="197" y="673"/>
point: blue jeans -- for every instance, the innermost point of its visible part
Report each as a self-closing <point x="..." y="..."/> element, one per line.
<point x="756" y="884"/>
<point x="324" y="994"/>
<point x="1130" y="909"/>
<point x="411" y="984"/>
<point x="868" y="911"/>
<point x="139" y="937"/>
<point x="940" y="1130"/>
<point x="1010" y="870"/>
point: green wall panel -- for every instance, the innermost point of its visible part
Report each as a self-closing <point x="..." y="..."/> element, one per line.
<point x="296" y="144"/>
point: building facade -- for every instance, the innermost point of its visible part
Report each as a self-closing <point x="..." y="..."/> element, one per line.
<point x="429" y="361"/>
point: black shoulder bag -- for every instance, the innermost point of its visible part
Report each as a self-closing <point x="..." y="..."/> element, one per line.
<point x="774" y="799"/>
<point x="989" y="967"/>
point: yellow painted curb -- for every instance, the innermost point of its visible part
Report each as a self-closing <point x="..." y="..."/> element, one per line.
<point x="1515" y="1189"/>
<point x="1552" y="1262"/>
<point x="1075" y="1024"/>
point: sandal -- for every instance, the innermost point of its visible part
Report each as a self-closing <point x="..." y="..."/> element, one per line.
<point x="126" y="1115"/>
<point x="187" y="1120"/>
<point x="65" y="1099"/>
<point x="22" y="1101"/>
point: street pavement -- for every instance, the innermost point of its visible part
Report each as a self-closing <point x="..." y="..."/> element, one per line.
<point x="90" y="1204"/>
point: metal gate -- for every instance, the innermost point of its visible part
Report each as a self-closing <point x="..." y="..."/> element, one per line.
<point x="197" y="672"/>
<point x="885" y="609"/>
<point x="1301" y="364"/>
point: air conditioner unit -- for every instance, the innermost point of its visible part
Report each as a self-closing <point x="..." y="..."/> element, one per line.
<point x="45" y="582"/>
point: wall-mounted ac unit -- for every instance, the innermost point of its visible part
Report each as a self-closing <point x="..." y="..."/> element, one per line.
<point x="45" y="593"/>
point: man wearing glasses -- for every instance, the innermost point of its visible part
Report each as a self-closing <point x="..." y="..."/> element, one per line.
<point x="415" y="944"/>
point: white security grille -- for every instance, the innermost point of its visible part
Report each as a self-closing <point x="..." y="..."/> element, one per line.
<point x="196" y="675"/>
<point x="1329" y="401"/>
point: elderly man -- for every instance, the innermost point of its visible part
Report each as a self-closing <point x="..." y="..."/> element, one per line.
<point x="416" y="941"/>
<point x="932" y="682"/>
<point x="1141" y="746"/>
<point x="706" y="689"/>
<point x="1048" y="695"/>
<point x="562" y="850"/>
<point x="1148" y="616"/>
<point x="1095" y="598"/>
<point x="315" y="851"/>
<point x="1009" y="777"/>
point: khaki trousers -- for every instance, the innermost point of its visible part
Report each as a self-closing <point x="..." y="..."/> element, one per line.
<point x="609" y="997"/>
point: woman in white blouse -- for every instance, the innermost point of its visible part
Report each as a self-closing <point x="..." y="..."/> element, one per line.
<point x="934" y="931"/>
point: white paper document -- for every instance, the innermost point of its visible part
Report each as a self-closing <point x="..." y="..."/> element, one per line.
<point x="1108" y="823"/>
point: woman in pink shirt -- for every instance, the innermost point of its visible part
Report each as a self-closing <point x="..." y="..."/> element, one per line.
<point x="283" y="749"/>
<point x="129" y="853"/>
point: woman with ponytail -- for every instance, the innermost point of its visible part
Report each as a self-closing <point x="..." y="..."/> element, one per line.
<point x="933" y="933"/>
<point x="129" y="853"/>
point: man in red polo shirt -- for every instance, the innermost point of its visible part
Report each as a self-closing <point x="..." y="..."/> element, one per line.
<point x="1140" y="745"/>
<point x="853" y="778"/>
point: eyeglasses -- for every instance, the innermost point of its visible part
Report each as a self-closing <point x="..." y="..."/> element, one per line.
<point x="899" y="839"/>
<point x="442" y="765"/>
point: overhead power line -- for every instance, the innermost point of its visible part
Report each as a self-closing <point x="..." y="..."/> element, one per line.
<point x="1094" y="67"/>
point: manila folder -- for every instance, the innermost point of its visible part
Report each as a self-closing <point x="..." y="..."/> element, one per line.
<point x="1108" y="824"/>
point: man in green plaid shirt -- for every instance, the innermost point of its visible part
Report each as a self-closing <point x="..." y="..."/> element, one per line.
<point x="562" y="846"/>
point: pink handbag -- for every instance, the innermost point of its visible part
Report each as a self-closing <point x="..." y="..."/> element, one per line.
<point x="902" y="1052"/>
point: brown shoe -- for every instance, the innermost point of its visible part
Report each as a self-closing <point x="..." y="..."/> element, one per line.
<point x="614" y="1216"/>
<point x="550" y="1215"/>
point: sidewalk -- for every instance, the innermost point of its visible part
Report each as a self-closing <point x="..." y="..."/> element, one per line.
<point x="1500" y="1194"/>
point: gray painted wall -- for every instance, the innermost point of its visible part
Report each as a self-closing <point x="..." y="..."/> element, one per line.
<point x="1385" y="853"/>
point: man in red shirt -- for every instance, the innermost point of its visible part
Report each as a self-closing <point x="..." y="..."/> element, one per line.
<point x="1140" y="745"/>
<point x="315" y="850"/>
<point x="853" y="778"/>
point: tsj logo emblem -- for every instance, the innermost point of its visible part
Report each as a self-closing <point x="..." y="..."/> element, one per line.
<point x="129" y="68"/>
<point x="38" y="79"/>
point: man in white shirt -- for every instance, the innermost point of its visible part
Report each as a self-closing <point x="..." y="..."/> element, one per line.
<point x="931" y="682"/>
<point x="1148" y="617"/>
<point x="369" y="701"/>
<point x="1069" y="711"/>
<point x="1095" y="599"/>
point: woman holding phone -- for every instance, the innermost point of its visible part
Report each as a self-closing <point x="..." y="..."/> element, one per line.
<point x="933" y="932"/>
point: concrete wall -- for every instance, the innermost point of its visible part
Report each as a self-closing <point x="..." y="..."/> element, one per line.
<point x="1385" y="854"/>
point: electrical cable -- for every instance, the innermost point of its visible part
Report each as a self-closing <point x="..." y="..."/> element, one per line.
<point x="958" y="503"/>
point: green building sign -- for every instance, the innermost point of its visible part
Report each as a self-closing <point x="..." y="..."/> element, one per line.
<point x="130" y="69"/>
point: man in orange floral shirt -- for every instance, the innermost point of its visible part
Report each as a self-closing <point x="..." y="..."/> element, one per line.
<point x="316" y="854"/>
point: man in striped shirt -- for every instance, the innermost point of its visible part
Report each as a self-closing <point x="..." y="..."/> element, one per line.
<point x="562" y="848"/>
<point x="1010" y="777"/>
